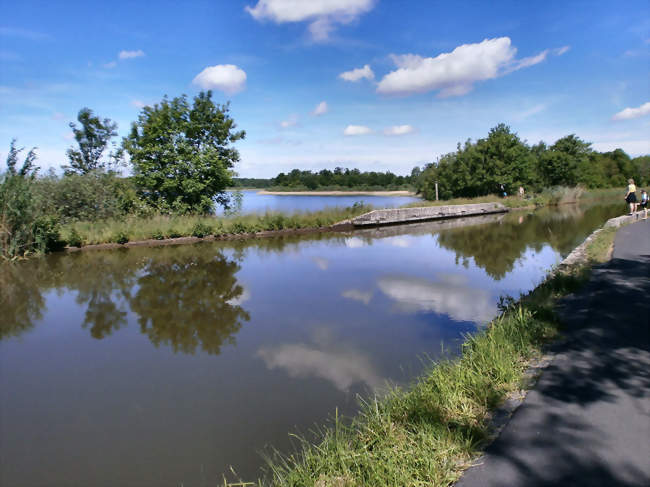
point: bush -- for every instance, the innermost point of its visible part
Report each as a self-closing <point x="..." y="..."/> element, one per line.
<point x="120" y="237"/>
<point x="201" y="230"/>
<point x="74" y="239"/>
<point x="157" y="235"/>
<point x="173" y="233"/>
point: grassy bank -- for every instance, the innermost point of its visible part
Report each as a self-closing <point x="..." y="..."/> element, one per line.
<point x="428" y="433"/>
<point x="160" y="227"/>
<point x="558" y="195"/>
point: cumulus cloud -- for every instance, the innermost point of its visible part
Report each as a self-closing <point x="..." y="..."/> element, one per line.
<point x="399" y="130"/>
<point x="357" y="130"/>
<point x="358" y="74"/>
<point x="224" y="77"/>
<point x="110" y="65"/>
<point x="450" y="294"/>
<point x="137" y="103"/>
<point x="455" y="73"/>
<point x="630" y="113"/>
<point x="131" y="54"/>
<point x="322" y="15"/>
<point x="320" y="109"/>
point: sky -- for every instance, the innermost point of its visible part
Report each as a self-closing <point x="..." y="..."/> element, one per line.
<point x="372" y="84"/>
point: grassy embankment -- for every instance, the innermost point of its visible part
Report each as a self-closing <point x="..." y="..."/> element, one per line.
<point x="428" y="433"/>
<point x="162" y="227"/>
<point x="549" y="197"/>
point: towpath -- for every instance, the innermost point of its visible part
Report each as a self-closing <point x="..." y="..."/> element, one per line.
<point x="587" y="421"/>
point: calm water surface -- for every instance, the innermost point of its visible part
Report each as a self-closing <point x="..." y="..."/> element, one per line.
<point x="164" y="366"/>
<point x="260" y="203"/>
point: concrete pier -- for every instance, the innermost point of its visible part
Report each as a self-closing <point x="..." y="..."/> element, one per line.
<point x="405" y="215"/>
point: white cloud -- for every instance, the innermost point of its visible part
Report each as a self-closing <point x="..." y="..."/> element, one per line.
<point x="561" y="50"/>
<point x="357" y="130"/>
<point x="358" y="74"/>
<point x="320" y="109"/>
<point x="530" y="111"/>
<point x="321" y="263"/>
<point x="399" y="130"/>
<point x="58" y="116"/>
<point x="242" y="298"/>
<point x="131" y="54"/>
<point x="342" y="366"/>
<point x="450" y="294"/>
<point x="290" y="122"/>
<point x="630" y="113"/>
<point x="137" y="103"/>
<point x="224" y="77"/>
<point x="322" y="15"/>
<point x="354" y="243"/>
<point x="358" y="295"/>
<point x="456" y="72"/>
<point x="110" y="65"/>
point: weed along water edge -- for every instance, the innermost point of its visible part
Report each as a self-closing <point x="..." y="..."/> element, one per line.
<point x="123" y="355"/>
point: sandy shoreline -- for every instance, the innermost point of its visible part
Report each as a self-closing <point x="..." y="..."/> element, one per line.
<point x="338" y="193"/>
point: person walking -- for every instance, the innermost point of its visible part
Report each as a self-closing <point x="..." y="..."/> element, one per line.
<point x="630" y="196"/>
<point x="643" y="205"/>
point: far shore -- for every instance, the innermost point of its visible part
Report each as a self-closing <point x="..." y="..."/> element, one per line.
<point x="339" y="193"/>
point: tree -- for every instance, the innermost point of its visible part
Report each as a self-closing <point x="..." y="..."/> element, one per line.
<point x="182" y="155"/>
<point x="93" y="137"/>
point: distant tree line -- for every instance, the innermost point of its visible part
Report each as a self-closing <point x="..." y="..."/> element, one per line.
<point x="503" y="159"/>
<point x="341" y="178"/>
<point x="251" y="183"/>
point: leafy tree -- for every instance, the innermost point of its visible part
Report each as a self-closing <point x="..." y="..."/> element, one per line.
<point x="182" y="155"/>
<point x="92" y="137"/>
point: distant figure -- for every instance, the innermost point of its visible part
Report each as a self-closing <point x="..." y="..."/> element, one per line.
<point x="503" y="191"/>
<point x="521" y="191"/>
<point x="644" y="204"/>
<point x="630" y="196"/>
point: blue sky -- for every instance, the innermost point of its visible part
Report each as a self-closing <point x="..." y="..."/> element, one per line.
<point x="402" y="81"/>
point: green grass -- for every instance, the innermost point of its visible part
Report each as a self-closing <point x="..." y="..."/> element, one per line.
<point x="428" y="433"/>
<point x="599" y="249"/>
<point x="161" y="227"/>
<point x="557" y="195"/>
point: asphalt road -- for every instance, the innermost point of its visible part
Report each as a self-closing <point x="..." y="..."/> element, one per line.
<point x="587" y="421"/>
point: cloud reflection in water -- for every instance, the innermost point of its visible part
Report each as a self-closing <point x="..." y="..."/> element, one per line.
<point x="450" y="294"/>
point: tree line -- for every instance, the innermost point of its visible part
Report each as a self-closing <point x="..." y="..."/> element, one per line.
<point x="503" y="160"/>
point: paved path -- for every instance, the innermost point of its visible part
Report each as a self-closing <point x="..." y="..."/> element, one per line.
<point x="587" y="421"/>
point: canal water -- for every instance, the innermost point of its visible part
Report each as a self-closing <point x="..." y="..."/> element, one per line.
<point x="167" y="366"/>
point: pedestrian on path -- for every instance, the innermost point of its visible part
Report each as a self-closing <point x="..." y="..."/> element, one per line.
<point x="644" y="204"/>
<point x="630" y="196"/>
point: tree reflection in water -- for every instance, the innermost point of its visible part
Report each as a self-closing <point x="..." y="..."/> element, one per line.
<point x="187" y="303"/>
<point x="185" y="297"/>
<point x="496" y="247"/>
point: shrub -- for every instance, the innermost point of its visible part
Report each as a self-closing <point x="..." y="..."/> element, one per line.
<point x="74" y="239"/>
<point x="173" y="233"/>
<point x="201" y="229"/>
<point x="157" y="235"/>
<point x="120" y="237"/>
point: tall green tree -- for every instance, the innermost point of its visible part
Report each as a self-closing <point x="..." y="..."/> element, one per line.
<point x="182" y="153"/>
<point x="92" y="136"/>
